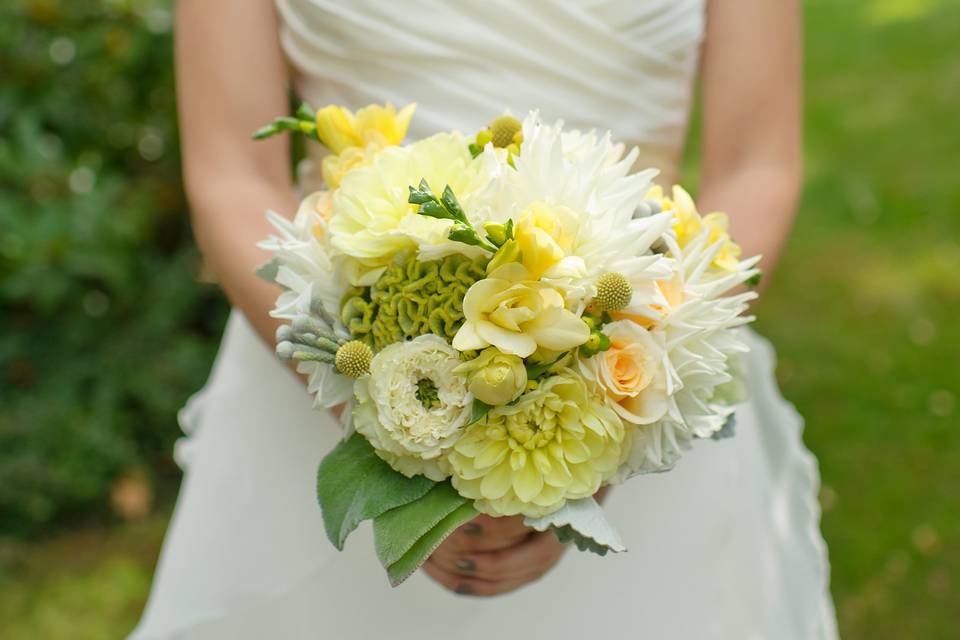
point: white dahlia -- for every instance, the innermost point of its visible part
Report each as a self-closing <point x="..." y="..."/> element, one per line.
<point x="303" y="266"/>
<point x="412" y="406"/>
<point x="698" y="325"/>
<point x="576" y="197"/>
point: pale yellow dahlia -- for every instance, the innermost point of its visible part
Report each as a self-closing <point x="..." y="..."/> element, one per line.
<point x="372" y="219"/>
<point x="556" y="443"/>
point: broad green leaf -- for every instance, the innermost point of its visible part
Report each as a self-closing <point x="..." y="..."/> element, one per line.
<point x="354" y="484"/>
<point x="427" y="544"/>
<point x="406" y="535"/>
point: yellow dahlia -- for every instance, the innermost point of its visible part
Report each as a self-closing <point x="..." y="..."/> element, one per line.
<point x="556" y="443"/>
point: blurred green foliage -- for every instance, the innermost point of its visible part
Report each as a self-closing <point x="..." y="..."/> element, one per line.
<point x="103" y="330"/>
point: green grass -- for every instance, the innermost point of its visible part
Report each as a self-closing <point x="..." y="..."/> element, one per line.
<point x="864" y="309"/>
<point x="863" y="312"/>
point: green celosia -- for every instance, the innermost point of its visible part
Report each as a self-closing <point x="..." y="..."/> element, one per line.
<point x="412" y="298"/>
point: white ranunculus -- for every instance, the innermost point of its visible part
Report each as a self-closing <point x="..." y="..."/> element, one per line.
<point x="412" y="407"/>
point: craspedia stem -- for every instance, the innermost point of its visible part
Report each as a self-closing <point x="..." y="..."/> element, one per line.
<point x="613" y="292"/>
<point x="353" y="359"/>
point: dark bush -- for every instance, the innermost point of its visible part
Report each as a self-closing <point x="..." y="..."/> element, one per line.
<point x="104" y="329"/>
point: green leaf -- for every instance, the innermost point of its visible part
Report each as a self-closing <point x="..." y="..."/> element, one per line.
<point x="420" y="196"/>
<point x="275" y="127"/>
<point x="466" y="236"/>
<point x="306" y="112"/>
<point x="754" y="280"/>
<point x="452" y="205"/>
<point x="406" y="535"/>
<point x="534" y="371"/>
<point x="354" y="484"/>
<point x="427" y="544"/>
<point x="435" y="210"/>
<point x="480" y="410"/>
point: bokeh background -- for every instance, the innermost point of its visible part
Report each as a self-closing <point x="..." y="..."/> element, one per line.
<point x="107" y="324"/>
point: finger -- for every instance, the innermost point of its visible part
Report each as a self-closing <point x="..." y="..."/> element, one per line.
<point x="531" y="557"/>
<point x="472" y="586"/>
<point x="485" y="533"/>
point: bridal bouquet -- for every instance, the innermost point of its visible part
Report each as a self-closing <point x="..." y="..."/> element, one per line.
<point x="515" y="320"/>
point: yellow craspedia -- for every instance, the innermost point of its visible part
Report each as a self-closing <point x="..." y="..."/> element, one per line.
<point x="353" y="359"/>
<point x="556" y="443"/>
<point x="503" y="130"/>
<point x="613" y="292"/>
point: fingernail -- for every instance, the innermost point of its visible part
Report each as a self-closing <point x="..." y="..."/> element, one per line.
<point x="472" y="529"/>
<point x="464" y="590"/>
<point x="466" y="565"/>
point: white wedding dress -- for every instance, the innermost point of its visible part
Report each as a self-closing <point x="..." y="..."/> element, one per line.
<point x="725" y="546"/>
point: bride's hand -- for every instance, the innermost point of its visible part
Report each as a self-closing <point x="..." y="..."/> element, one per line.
<point x="489" y="556"/>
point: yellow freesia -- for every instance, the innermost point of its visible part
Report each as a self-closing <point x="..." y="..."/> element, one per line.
<point x="545" y="236"/>
<point x="688" y="225"/>
<point x="354" y="139"/>
<point x="517" y="314"/>
<point x="336" y="130"/>
<point x="729" y="255"/>
<point x="382" y="125"/>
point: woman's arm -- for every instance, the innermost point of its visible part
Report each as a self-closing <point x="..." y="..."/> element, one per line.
<point x="751" y="151"/>
<point x="231" y="80"/>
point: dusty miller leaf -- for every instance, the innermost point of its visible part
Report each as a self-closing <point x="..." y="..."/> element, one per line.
<point x="405" y="536"/>
<point x="354" y="484"/>
<point x="584" y="523"/>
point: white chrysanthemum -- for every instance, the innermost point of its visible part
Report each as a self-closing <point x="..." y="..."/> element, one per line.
<point x="412" y="407"/>
<point x="586" y="182"/>
<point x="698" y="324"/>
<point x="372" y="219"/>
<point x="305" y="270"/>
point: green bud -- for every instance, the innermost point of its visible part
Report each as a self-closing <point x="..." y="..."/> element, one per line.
<point x="483" y="137"/>
<point x="496" y="232"/>
<point x="509" y="252"/>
